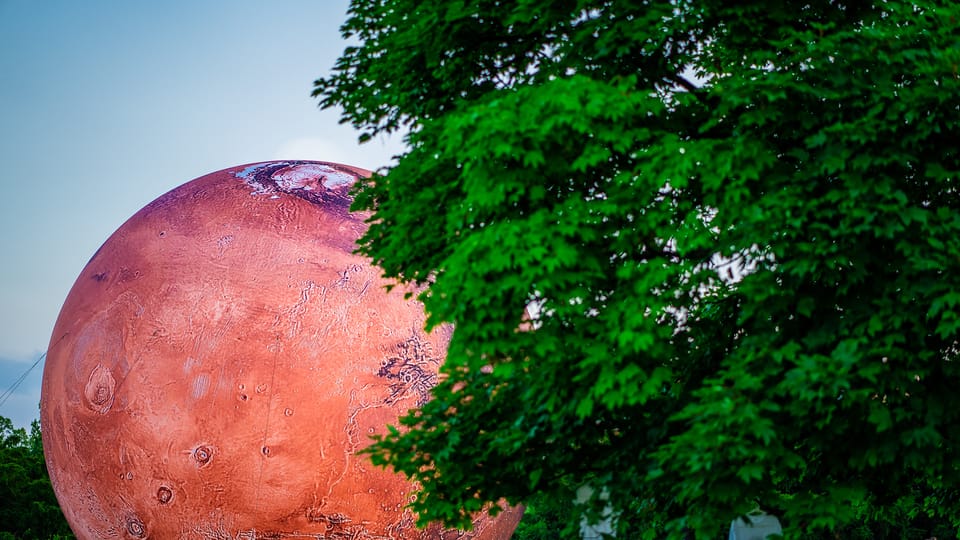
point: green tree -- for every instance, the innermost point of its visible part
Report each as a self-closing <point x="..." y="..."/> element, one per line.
<point x="29" y="509"/>
<point x="737" y="222"/>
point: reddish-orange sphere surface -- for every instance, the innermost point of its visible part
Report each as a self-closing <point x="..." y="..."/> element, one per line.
<point x="222" y="358"/>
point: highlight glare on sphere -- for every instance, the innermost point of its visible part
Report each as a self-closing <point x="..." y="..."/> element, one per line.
<point x="222" y="358"/>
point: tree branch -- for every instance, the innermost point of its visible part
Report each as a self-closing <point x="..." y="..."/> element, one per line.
<point x="686" y="85"/>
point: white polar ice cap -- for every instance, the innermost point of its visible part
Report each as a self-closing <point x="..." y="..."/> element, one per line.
<point x="307" y="175"/>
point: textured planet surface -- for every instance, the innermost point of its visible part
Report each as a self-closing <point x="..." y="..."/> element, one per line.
<point x="222" y="358"/>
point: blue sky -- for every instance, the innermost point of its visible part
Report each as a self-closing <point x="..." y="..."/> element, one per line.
<point x="105" y="106"/>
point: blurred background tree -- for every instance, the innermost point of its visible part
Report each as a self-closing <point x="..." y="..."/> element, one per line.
<point x="29" y="509"/>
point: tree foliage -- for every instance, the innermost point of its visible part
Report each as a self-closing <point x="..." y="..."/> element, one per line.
<point x="29" y="509"/>
<point x="737" y="222"/>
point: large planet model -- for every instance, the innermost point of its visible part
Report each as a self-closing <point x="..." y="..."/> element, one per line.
<point x="221" y="360"/>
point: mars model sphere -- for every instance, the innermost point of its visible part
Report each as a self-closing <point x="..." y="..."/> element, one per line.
<point x="221" y="360"/>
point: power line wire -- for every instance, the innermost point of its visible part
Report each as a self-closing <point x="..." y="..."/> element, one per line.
<point x="9" y="391"/>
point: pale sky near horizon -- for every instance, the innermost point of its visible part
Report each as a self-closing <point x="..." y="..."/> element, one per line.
<point x="105" y="106"/>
